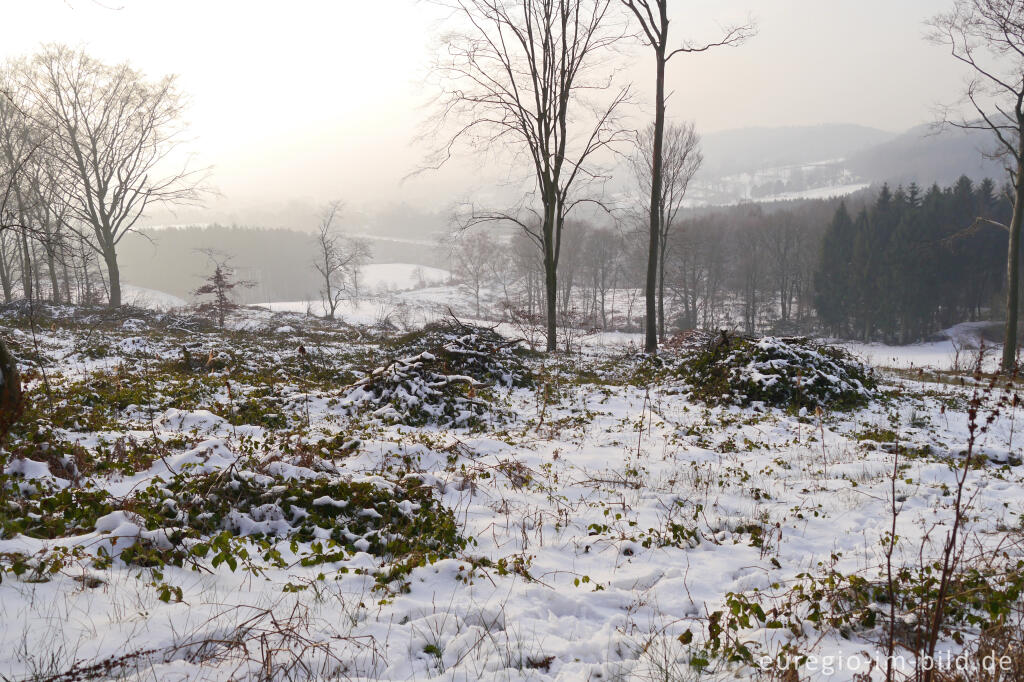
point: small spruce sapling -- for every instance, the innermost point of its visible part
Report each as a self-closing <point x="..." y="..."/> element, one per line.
<point x="220" y="285"/>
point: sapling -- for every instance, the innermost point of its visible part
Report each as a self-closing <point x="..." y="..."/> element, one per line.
<point x="952" y="552"/>
<point x="220" y="284"/>
<point x="819" y="413"/>
<point x="890" y="548"/>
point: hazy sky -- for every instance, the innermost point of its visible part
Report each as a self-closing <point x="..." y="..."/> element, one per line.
<point x="322" y="99"/>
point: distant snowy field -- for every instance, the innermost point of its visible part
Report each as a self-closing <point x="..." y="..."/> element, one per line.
<point x="940" y="355"/>
<point x="414" y="294"/>
<point x="141" y="297"/>
<point x="401" y="276"/>
<point x="820" y="192"/>
<point x="959" y="350"/>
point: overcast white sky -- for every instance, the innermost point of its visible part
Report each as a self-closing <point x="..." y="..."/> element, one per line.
<point x="321" y="99"/>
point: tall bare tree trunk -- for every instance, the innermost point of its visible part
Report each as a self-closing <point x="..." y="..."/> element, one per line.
<point x="551" y="277"/>
<point x="1013" y="269"/>
<point x="85" y="272"/>
<point x="26" y="267"/>
<point x="11" y="400"/>
<point x="50" y="246"/>
<point x="113" y="276"/>
<point x="651" y="327"/>
<point x="37" y="277"/>
<point x="5" y="273"/>
<point x="51" y="265"/>
<point x="66" y="276"/>
<point x="662" y="248"/>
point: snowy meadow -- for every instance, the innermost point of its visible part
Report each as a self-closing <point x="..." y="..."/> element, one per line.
<point x="291" y="498"/>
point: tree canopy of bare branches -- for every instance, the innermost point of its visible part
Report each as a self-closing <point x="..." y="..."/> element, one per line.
<point x="337" y="259"/>
<point x="988" y="36"/>
<point x="681" y="159"/>
<point x="652" y="15"/>
<point x="110" y="137"/>
<point x="474" y="257"/>
<point x="521" y="74"/>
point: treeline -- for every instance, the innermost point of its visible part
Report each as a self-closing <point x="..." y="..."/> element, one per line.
<point x="913" y="262"/>
<point x="85" y="148"/>
<point x="279" y="262"/>
<point x="748" y="267"/>
<point x="890" y="265"/>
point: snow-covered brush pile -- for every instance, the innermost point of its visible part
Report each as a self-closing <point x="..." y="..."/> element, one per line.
<point x="447" y="382"/>
<point x="477" y="352"/>
<point x="778" y="372"/>
<point x="417" y="391"/>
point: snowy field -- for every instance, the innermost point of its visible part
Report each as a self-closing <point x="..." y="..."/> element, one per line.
<point x="961" y="348"/>
<point x="254" y="509"/>
<point x="401" y="276"/>
<point x="141" y="297"/>
<point x="942" y="355"/>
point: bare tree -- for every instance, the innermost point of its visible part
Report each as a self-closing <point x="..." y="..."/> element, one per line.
<point x="361" y="252"/>
<point x="16" y="150"/>
<point x="20" y="147"/>
<point x="48" y="204"/>
<point x="652" y="16"/>
<point x="515" y="73"/>
<point x="337" y="258"/>
<point x="988" y="36"/>
<point x="779" y="238"/>
<point x="602" y="256"/>
<point x="112" y="133"/>
<point x="681" y="159"/>
<point x="473" y="258"/>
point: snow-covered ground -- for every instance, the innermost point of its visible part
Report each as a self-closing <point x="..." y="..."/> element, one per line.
<point x="141" y="297"/>
<point x="608" y="518"/>
<point x="401" y="276"/>
<point x="960" y="347"/>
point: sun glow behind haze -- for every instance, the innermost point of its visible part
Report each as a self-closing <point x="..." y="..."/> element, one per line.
<point x="318" y="99"/>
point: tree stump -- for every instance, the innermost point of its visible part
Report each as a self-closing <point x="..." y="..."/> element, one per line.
<point x="11" y="400"/>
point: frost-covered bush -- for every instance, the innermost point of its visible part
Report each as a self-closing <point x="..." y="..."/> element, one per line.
<point x="443" y="376"/>
<point x="417" y="391"/>
<point x="786" y="373"/>
<point x="477" y="352"/>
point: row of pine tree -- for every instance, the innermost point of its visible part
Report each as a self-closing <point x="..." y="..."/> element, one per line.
<point x="913" y="262"/>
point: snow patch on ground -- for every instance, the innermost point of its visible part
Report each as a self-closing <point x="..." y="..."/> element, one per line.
<point x="141" y="297"/>
<point x="401" y="276"/>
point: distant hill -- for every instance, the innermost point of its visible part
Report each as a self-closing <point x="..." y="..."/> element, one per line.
<point x="924" y="156"/>
<point x="769" y="164"/>
<point x="751" y="149"/>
